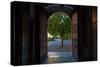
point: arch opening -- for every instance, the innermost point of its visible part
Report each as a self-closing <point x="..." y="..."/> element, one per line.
<point x="59" y="37"/>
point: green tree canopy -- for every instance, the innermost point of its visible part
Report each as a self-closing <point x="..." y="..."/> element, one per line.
<point x="59" y="24"/>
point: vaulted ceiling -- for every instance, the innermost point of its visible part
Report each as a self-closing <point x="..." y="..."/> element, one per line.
<point x="58" y="7"/>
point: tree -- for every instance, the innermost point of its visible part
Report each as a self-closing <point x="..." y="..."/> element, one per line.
<point x="59" y="24"/>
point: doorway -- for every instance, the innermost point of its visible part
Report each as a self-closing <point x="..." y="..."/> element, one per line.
<point x="59" y="38"/>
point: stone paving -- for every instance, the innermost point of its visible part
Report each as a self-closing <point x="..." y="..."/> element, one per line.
<point x="58" y="54"/>
<point x="55" y="46"/>
<point x="60" y="57"/>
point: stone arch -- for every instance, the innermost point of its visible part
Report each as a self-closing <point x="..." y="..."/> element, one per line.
<point x="49" y="10"/>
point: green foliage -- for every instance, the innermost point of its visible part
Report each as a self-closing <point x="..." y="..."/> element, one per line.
<point x="59" y="24"/>
<point x="67" y="36"/>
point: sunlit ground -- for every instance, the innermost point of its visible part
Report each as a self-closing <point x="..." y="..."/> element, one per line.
<point x="58" y="54"/>
<point x="60" y="57"/>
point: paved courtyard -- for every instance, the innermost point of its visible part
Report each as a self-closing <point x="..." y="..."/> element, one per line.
<point x="55" y="46"/>
<point x="58" y="54"/>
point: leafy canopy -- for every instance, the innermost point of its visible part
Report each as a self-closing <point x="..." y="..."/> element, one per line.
<point x="59" y="24"/>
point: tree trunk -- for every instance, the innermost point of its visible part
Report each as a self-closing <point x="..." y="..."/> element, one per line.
<point x="62" y="41"/>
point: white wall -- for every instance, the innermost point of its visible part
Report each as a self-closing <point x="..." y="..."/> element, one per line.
<point x="5" y="33"/>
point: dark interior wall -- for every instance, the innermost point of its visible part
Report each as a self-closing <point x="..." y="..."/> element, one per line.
<point x="25" y="33"/>
<point x="94" y="25"/>
<point x="41" y="21"/>
<point x="43" y="34"/>
<point x="74" y="22"/>
<point x="22" y="33"/>
<point x="84" y="47"/>
<point x="85" y="34"/>
<point x="28" y="33"/>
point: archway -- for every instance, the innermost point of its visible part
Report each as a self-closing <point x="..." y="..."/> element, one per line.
<point x="66" y="10"/>
<point x="79" y="42"/>
<point x="59" y="38"/>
